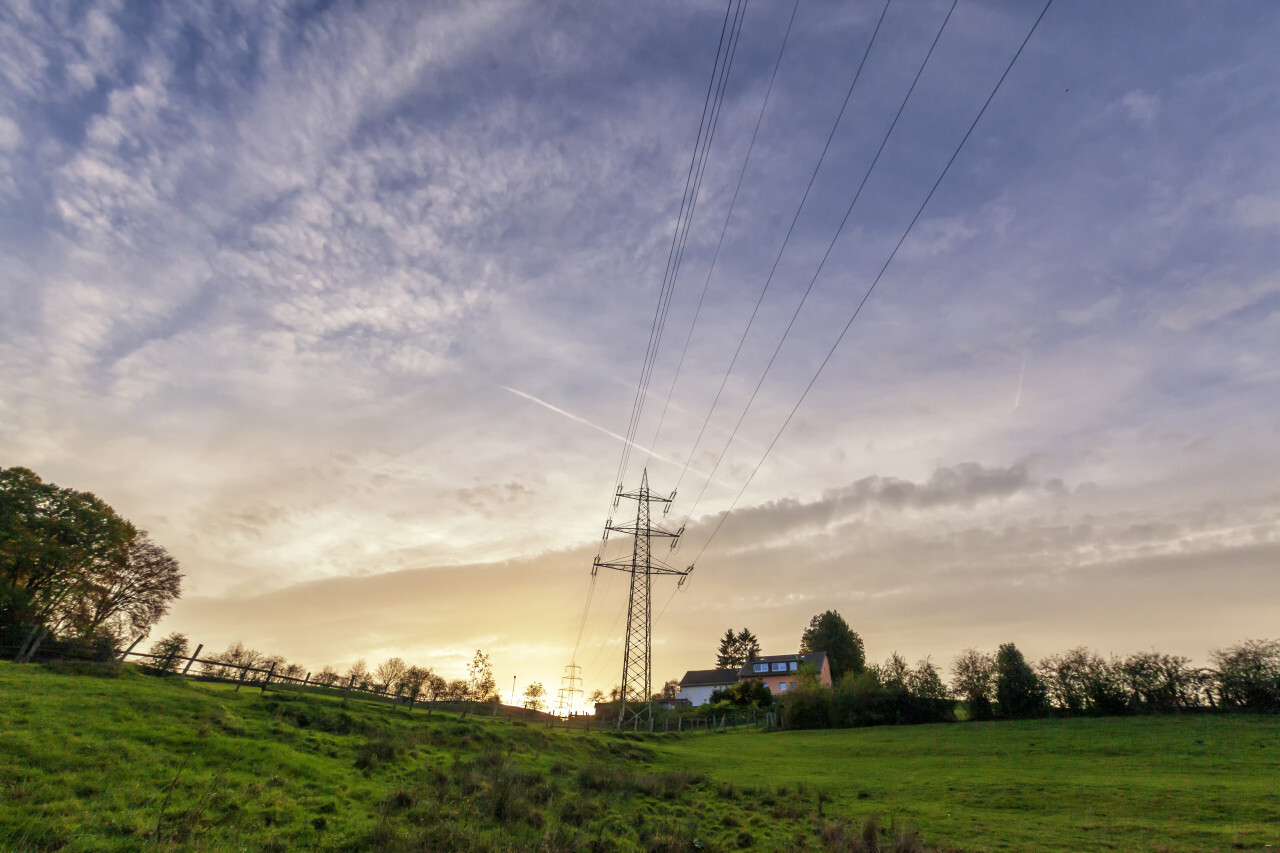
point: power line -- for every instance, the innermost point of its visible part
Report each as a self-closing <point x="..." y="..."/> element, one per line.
<point x="876" y="281"/>
<point x="827" y="254"/>
<point x="692" y="181"/>
<point x="725" y="228"/>
<point x="697" y="164"/>
<point x="785" y="241"/>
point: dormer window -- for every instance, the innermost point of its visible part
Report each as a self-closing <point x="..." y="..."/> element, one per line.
<point x="780" y="667"/>
<point x="761" y="667"/>
<point x="794" y="665"/>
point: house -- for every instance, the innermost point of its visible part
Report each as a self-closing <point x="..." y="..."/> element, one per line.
<point x="779" y="671"/>
<point x="698" y="684"/>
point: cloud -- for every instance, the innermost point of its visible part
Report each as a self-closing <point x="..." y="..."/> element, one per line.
<point x="10" y="134"/>
<point x="1142" y="107"/>
<point x="1212" y="301"/>
<point x="1258" y="211"/>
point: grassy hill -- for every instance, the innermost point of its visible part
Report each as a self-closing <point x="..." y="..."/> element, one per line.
<point x="139" y="763"/>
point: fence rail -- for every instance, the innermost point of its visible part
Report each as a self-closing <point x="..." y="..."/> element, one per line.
<point x="214" y="670"/>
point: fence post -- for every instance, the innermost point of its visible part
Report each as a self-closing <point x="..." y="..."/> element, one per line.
<point x="123" y="654"/>
<point x="244" y="670"/>
<point x="44" y="632"/>
<point x="22" y="649"/>
<point x="347" y="693"/>
<point x="267" y="680"/>
<point x="192" y="659"/>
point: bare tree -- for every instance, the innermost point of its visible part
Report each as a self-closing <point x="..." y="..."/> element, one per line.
<point x="359" y="675"/>
<point x="326" y="677"/>
<point x="480" y="677"/>
<point x="387" y="674"/>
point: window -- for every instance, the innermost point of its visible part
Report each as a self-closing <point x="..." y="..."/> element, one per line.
<point x="783" y="687"/>
<point x="780" y="667"/>
<point x="761" y="667"/>
<point x="794" y="665"/>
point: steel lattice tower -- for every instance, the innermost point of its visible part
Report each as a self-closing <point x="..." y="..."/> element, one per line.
<point x="569" y="688"/>
<point x="636" y="670"/>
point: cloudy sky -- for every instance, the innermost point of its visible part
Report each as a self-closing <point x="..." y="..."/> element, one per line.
<point x="347" y="303"/>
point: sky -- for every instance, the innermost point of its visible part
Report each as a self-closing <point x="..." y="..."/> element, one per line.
<point x="347" y="304"/>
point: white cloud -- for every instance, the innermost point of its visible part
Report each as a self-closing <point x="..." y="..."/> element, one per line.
<point x="1142" y="107"/>
<point x="1212" y="301"/>
<point x="1259" y="211"/>
<point x="10" y="134"/>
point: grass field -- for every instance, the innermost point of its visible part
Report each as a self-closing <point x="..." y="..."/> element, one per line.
<point x="137" y="763"/>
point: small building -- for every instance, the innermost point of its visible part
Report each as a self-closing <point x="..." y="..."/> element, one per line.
<point x="676" y="704"/>
<point x="698" y="684"/>
<point x="780" y="671"/>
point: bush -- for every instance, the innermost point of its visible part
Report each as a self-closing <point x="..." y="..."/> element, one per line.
<point x="1248" y="676"/>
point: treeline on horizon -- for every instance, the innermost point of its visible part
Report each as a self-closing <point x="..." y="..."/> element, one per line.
<point x="393" y="676"/>
<point x="1004" y="685"/>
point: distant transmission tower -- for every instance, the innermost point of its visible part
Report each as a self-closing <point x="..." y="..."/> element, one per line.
<point x="569" y="689"/>
<point x="636" y="682"/>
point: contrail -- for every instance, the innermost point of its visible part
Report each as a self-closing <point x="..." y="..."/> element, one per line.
<point x="581" y="420"/>
<point x="1017" y="400"/>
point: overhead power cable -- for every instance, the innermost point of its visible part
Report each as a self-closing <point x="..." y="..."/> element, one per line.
<point x="725" y="228"/>
<point x="697" y="165"/>
<point x="725" y="50"/>
<point x="876" y="281"/>
<point x="822" y="263"/>
<point x="783" y="247"/>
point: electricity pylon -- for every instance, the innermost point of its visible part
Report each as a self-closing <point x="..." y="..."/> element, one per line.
<point x="569" y="688"/>
<point x="636" y="684"/>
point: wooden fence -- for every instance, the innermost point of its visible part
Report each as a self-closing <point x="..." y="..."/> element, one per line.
<point x="241" y="675"/>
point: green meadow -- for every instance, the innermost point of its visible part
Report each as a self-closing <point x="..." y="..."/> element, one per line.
<point x="131" y="762"/>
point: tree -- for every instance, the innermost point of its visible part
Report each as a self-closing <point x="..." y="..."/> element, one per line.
<point x="358" y="675"/>
<point x="1019" y="690"/>
<point x="387" y="674"/>
<point x="533" y="696"/>
<point x="828" y="632"/>
<point x="413" y="680"/>
<point x="480" y="677"/>
<point x="169" y="652"/>
<point x="670" y="690"/>
<point x="1161" y="683"/>
<point x="737" y="649"/>
<point x="1248" y="675"/>
<point x="924" y="682"/>
<point x="51" y="540"/>
<point x="456" y="689"/>
<point x="973" y="680"/>
<point x="895" y="672"/>
<point x="125" y="594"/>
<point x="751" y="693"/>
<point x="327" y="677"/>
